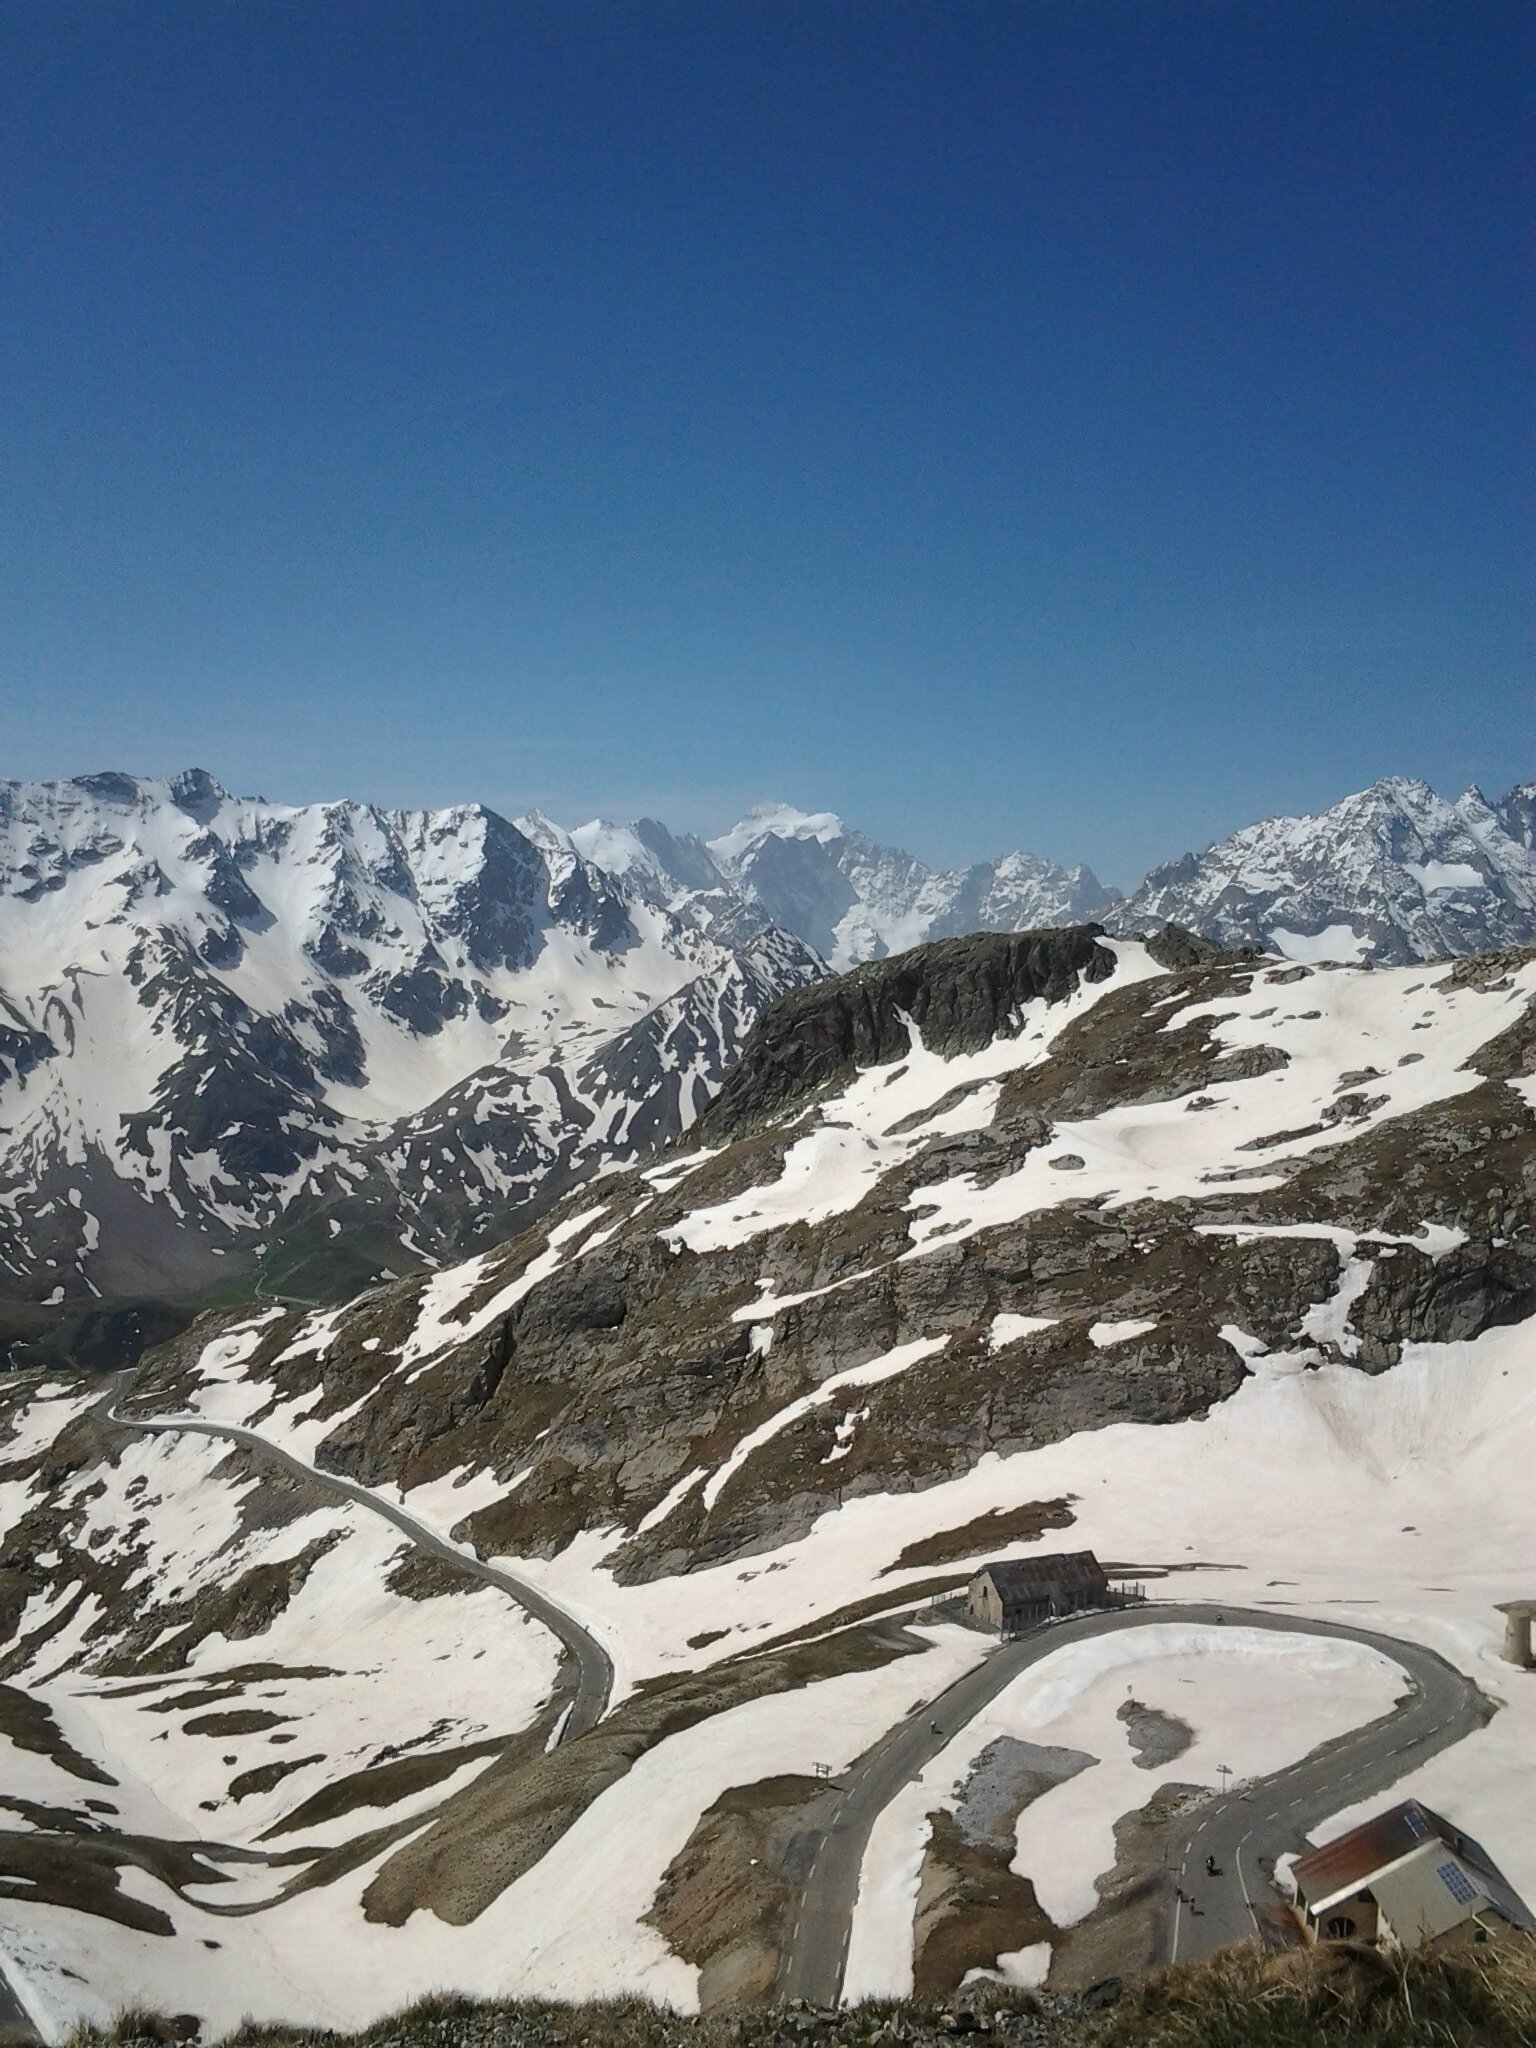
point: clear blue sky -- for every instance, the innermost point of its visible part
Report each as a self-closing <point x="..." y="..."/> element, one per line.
<point x="1060" y="423"/>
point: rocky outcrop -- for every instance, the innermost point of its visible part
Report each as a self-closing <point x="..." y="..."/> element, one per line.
<point x="959" y="993"/>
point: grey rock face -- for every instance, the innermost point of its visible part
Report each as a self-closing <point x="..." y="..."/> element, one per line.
<point x="638" y="1363"/>
<point x="800" y="887"/>
<point x="960" y="993"/>
<point x="1517" y="815"/>
<point x="1413" y="1299"/>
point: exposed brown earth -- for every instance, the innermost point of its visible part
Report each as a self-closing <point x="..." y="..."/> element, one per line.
<point x="1124" y="1932"/>
<point x="240" y="1721"/>
<point x="726" y="1900"/>
<point x="971" y="1908"/>
<point x="382" y="1785"/>
<point x="485" y="1838"/>
<point x="986" y="1534"/>
<point x="29" y="1724"/>
<point x="266" y="1777"/>
<point x="1156" y="1737"/>
<point x="82" y="1869"/>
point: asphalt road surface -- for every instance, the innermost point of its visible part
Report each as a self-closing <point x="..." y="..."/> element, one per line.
<point x="15" y="2020"/>
<point x="1268" y="1817"/>
<point x="594" y="1667"/>
<point x="1265" y="1818"/>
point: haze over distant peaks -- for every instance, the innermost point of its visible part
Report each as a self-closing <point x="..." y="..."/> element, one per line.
<point x="847" y="896"/>
<point x="1391" y="873"/>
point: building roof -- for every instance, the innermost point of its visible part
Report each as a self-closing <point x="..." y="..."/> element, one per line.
<point x="1405" y="1837"/>
<point x="1343" y="1866"/>
<point x="1036" y="1578"/>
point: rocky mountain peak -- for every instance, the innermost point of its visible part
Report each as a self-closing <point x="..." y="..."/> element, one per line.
<point x="242" y="1014"/>
<point x="775" y="821"/>
<point x="955" y="995"/>
<point x="1390" y="873"/>
<point x="197" y="793"/>
<point x="853" y="899"/>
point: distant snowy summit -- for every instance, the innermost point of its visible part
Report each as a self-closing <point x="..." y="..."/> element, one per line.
<point x="841" y="893"/>
<point x="1391" y="874"/>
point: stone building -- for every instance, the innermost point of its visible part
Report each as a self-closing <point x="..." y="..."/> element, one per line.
<point x="1018" y="1594"/>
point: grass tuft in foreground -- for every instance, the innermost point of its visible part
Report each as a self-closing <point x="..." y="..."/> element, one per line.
<point x="1484" y="1997"/>
<point x="1337" y="1997"/>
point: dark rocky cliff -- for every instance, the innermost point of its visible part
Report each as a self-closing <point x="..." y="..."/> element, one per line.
<point x="960" y="993"/>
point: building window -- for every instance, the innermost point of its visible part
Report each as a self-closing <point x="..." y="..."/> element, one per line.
<point x="1457" y="1883"/>
<point x="1339" y="1928"/>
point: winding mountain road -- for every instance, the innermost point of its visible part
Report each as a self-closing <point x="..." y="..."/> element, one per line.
<point x="594" y="1667"/>
<point x="1269" y="1817"/>
<point x="1264" y="1818"/>
<point x="1257" y="1820"/>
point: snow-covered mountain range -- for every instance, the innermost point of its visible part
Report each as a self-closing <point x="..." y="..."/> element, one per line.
<point x="1391" y="874"/>
<point x="853" y="900"/>
<point x="838" y="891"/>
<point x="218" y="1014"/>
<point x="340" y="1040"/>
<point x="1395" y="873"/>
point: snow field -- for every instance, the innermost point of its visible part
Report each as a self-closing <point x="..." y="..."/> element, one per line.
<point x="1335" y="942"/>
<point x="571" y="1928"/>
<point x="224" y="1393"/>
<point x="1008" y="1329"/>
<point x="831" y="1168"/>
<point x="1255" y="1701"/>
<point x="1335" y="1022"/>
<point x="379" y="1661"/>
<point x="1102" y="1335"/>
<point x="32" y="1424"/>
